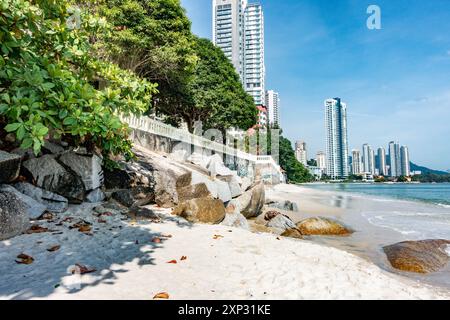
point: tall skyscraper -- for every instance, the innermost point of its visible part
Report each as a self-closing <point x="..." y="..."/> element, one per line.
<point x="356" y="162"/>
<point x="394" y="159"/>
<point x="381" y="153"/>
<point x="404" y="159"/>
<point x="368" y="159"/>
<point x="254" y="67"/>
<point x="238" y="29"/>
<point x="337" y="142"/>
<point x="321" y="161"/>
<point x="228" y="34"/>
<point x="273" y="107"/>
<point x="301" y="153"/>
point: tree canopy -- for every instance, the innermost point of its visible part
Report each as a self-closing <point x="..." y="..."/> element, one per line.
<point x="48" y="71"/>
<point x="295" y="171"/>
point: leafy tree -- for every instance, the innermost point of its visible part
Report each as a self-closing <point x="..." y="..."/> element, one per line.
<point x="295" y="171"/>
<point x="153" y="39"/>
<point x="402" y="179"/>
<point x="312" y="162"/>
<point x="216" y="95"/>
<point x="47" y="75"/>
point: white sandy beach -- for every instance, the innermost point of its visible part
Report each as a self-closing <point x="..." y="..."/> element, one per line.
<point x="221" y="263"/>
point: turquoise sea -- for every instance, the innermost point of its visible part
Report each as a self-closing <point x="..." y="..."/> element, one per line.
<point x="436" y="193"/>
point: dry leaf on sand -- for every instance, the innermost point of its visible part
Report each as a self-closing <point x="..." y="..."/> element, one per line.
<point x="54" y="248"/>
<point x="161" y="295"/>
<point x="24" y="259"/>
<point x="172" y="261"/>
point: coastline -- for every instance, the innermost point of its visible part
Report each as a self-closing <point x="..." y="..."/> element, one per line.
<point x="221" y="263"/>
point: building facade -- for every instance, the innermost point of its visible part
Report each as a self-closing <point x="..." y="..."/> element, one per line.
<point x="301" y="153"/>
<point x="404" y="160"/>
<point x="273" y="107"/>
<point x="368" y="159"/>
<point x="262" y="116"/>
<point x="336" y="138"/>
<point x="238" y="29"/>
<point x="394" y="160"/>
<point x="381" y="163"/>
<point x="356" y="162"/>
<point x="321" y="160"/>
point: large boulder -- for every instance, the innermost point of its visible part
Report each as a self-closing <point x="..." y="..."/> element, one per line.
<point x="280" y="221"/>
<point x="216" y="167"/>
<point x="252" y="201"/>
<point x="85" y="165"/>
<point x="423" y="256"/>
<point x="283" y="205"/>
<point x="204" y="210"/>
<point x="233" y="182"/>
<point x="323" y="226"/>
<point x="34" y="208"/>
<point x="233" y="218"/>
<point x="134" y="174"/>
<point x="13" y="215"/>
<point x="292" y="233"/>
<point x="95" y="196"/>
<point x="50" y="175"/>
<point x="9" y="166"/>
<point x="53" y="202"/>
<point x="190" y="192"/>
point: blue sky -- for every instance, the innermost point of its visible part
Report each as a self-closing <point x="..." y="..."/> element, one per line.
<point x="395" y="81"/>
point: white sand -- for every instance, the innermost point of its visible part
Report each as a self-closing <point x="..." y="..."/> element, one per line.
<point x="241" y="265"/>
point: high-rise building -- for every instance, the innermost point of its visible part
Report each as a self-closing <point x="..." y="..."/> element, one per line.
<point x="254" y="67"/>
<point x="337" y="142"/>
<point x="356" y="162"/>
<point x="368" y="159"/>
<point x="273" y="107"/>
<point x="238" y="29"/>
<point x="404" y="160"/>
<point x="381" y="163"/>
<point x="394" y="159"/>
<point x="262" y="116"/>
<point x="321" y="161"/>
<point x="227" y="30"/>
<point x="301" y="153"/>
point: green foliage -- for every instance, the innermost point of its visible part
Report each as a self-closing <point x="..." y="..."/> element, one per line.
<point x="153" y="39"/>
<point x="312" y="162"/>
<point x="47" y="76"/>
<point x="402" y="179"/>
<point x="296" y="172"/>
<point x="431" y="177"/>
<point x="215" y="94"/>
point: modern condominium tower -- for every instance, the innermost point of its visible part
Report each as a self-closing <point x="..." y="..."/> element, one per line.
<point x="254" y="67"/>
<point x="382" y="170"/>
<point x="301" y="153"/>
<point x="337" y="142"/>
<point x="394" y="159"/>
<point x="273" y="107"/>
<point x="321" y="160"/>
<point x="238" y="29"/>
<point x="228" y="24"/>
<point x="404" y="160"/>
<point x="356" y="162"/>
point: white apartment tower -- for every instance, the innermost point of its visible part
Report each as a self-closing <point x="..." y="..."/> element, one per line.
<point x="394" y="159"/>
<point x="337" y="141"/>
<point x="238" y="29"/>
<point x="382" y="169"/>
<point x="404" y="159"/>
<point x="356" y="162"/>
<point x="301" y="153"/>
<point x="228" y="35"/>
<point x="273" y="107"/>
<point x="321" y="160"/>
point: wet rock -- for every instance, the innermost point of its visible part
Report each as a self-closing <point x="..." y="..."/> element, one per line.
<point x="9" y="166"/>
<point x="53" y="202"/>
<point x="233" y="218"/>
<point x="423" y="256"/>
<point x="34" y="208"/>
<point x="95" y="196"/>
<point x="252" y="201"/>
<point x="323" y="226"/>
<point x="53" y="177"/>
<point x="13" y="215"/>
<point x="86" y="166"/>
<point x="204" y="210"/>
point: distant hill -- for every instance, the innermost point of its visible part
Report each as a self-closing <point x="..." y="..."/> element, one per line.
<point x="425" y="170"/>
